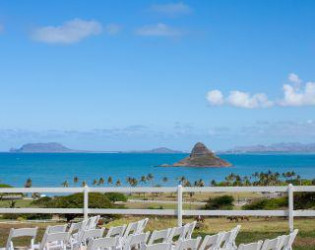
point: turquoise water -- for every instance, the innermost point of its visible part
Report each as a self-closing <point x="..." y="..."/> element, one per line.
<point x="53" y="169"/>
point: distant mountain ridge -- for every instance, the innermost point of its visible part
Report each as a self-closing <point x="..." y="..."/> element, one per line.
<point x="50" y="147"/>
<point x="277" y="148"/>
<point x="160" y="150"/>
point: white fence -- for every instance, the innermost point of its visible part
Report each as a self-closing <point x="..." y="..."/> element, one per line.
<point x="179" y="212"/>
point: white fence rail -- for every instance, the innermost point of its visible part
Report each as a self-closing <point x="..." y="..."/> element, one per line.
<point x="179" y="212"/>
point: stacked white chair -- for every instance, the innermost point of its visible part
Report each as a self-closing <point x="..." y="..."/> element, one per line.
<point x="190" y="229"/>
<point x="191" y="244"/>
<point x="74" y="231"/>
<point x="136" y="241"/>
<point x="177" y="233"/>
<point x="103" y="243"/>
<point x="250" y="246"/>
<point x="161" y="236"/>
<point x="56" y="229"/>
<point x="55" y="241"/>
<point x="286" y="241"/>
<point x="273" y="244"/>
<point x="212" y="242"/>
<point x="92" y="222"/>
<point x="228" y="239"/>
<point x="141" y="225"/>
<point x="87" y="235"/>
<point x="21" y="232"/>
<point x="116" y="231"/>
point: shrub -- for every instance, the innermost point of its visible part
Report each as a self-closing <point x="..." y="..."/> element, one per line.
<point x="220" y="202"/>
<point x="113" y="197"/>
<point x="268" y="204"/>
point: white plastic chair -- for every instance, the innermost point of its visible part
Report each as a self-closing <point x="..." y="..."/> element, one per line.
<point x="191" y="244"/>
<point x="162" y="236"/>
<point x="177" y="232"/>
<point x="273" y="244"/>
<point x="92" y="222"/>
<point x="103" y="243"/>
<point x="251" y="246"/>
<point x="136" y="241"/>
<point x="286" y="241"/>
<point x="54" y="241"/>
<point x="116" y="231"/>
<point x="87" y="235"/>
<point x="158" y="246"/>
<point x="190" y="229"/>
<point x="228" y="239"/>
<point x="131" y="229"/>
<point x="212" y="242"/>
<point x="56" y="229"/>
<point x="21" y="232"/>
<point x="141" y="225"/>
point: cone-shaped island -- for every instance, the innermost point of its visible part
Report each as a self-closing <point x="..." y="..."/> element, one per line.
<point x="201" y="156"/>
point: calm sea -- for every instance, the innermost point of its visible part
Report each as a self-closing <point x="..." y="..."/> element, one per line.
<point x="53" y="169"/>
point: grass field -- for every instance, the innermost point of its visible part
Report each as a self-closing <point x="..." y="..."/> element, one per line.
<point x="254" y="230"/>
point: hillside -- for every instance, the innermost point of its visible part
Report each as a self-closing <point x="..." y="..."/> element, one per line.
<point x="51" y="147"/>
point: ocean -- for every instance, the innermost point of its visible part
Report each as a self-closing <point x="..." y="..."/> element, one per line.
<point x="53" y="169"/>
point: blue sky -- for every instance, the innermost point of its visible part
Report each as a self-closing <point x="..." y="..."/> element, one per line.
<point x="121" y="75"/>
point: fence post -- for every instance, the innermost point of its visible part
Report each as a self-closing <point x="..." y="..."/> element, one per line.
<point x="291" y="207"/>
<point x="179" y="205"/>
<point x="86" y="202"/>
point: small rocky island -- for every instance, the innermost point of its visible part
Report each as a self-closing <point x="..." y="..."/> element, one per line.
<point x="201" y="156"/>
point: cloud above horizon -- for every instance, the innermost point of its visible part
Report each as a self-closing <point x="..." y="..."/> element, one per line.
<point x="171" y="9"/>
<point x="295" y="93"/>
<point x="69" y="32"/>
<point x="159" y="30"/>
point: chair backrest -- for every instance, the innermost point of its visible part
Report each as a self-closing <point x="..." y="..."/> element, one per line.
<point x="92" y="222"/>
<point x="212" y="242"/>
<point x="21" y="232"/>
<point x="103" y="243"/>
<point x="77" y="226"/>
<point x="136" y="241"/>
<point x="90" y="234"/>
<point x="59" y="240"/>
<point x="177" y="232"/>
<point x="131" y="229"/>
<point x="190" y="229"/>
<point x="273" y="244"/>
<point x="286" y="241"/>
<point x="191" y="244"/>
<point x="141" y="225"/>
<point x="228" y="240"/>
<point x="251" y="246"/>
<point x="56" y="229"/>
<point x="116" y="231"/>
<point x="158" y="246"/>
<point x="162" y="236"/>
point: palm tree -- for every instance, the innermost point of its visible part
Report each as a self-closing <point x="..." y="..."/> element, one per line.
<point x="213" y="183"/>
<point x="94" y="182"/>
<point x="143" y="179"/>
<point x="101" y="181"/>
<point x="83" y="183"/>
<point x="110" y="180"/>
<point x="65" y="183"/>
<point x="118" y="183"/>
<point x="165" y="179"/>
<point x="75" y="179"/>
<point x="28" y="183"/>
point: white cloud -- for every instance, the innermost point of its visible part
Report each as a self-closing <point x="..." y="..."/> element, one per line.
<point x="112" y="28"/>
<point x="294" y="78"/>
<point x="171" y="9"/>
<point x="69" y="32"/>
<point x="298" y="96"/>
<point x="215" y="97"/>
<point x="294" y="94"/>
<point x="239" y="99"/>
<point x="159" y="29"/>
